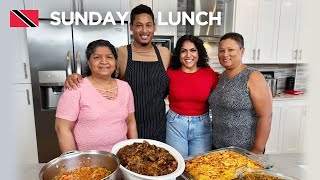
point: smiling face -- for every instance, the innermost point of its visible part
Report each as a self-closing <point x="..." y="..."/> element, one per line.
<point x="102" y="62"/>
<point x="230" y="54"/>
<point x="143" y="29"/>
<point x="189" y="57"/>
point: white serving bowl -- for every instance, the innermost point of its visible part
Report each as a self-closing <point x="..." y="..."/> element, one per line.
<point x="129" y="175"/>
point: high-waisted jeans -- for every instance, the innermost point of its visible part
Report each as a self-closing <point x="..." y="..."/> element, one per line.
<point x="190" y="135"/>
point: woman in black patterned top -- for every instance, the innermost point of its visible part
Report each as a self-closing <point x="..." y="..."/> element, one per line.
<point x="241" y="104"/>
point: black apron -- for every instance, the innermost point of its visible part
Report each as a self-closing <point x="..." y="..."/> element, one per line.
<point x="149" y="83"/>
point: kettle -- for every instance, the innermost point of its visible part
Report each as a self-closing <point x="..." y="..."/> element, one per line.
<point x="290" y="83"/>
<point x="272" y="82"/>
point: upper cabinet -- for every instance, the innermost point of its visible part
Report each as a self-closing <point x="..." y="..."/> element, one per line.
<point x="295" y="33"/>
<point x="258" y="22"/>
<point x="102" y="6"/>
<point x="46" y="7"/>
<point x="19" y="52"/>
<point x="163" y="6"/>
<point x="288" y="32"/>
<point x="21" y="64"/>
<point x="275" y="31"/>
<point x="135" y="3"/>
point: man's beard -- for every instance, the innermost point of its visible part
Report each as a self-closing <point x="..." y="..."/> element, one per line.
<point x="144" y="44"/>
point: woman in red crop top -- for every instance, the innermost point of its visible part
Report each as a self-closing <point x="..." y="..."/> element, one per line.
<point x="191" y="82"/>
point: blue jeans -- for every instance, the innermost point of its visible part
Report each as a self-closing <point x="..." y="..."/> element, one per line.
<point x="190" y="135"/>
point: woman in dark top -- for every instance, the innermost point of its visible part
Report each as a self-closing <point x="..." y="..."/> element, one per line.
<point x="241" y="104"/>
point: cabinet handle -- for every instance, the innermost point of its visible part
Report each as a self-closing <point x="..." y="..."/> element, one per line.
<point x="74" y="8"/>
<point x="25" y="70"/>
<point x="295" y="54"/>
<point x="300" y="54"/>
<point x="254" y="54"/>
<point x="258" y="54"/>
<point x="28" y="96"/>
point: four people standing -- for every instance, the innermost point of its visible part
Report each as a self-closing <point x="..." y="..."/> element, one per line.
<point x="241" y="104"/>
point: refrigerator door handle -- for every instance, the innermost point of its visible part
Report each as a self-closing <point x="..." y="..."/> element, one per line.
<point x="74" y="5"/>
<point x="81" y="7"/>
<point x="68" y="63"/>
<point x="78" y="63"/>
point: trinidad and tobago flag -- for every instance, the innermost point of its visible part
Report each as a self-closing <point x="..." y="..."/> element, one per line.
<point x="24" y="18"/>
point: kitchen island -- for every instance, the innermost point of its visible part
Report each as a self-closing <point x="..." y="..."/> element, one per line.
<point x="292" y="164"/>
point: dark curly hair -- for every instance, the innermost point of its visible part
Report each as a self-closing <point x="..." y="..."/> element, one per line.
<point x="92" y="47"/>
<point x="139" y="10"/>
<point x="202" y="53"/>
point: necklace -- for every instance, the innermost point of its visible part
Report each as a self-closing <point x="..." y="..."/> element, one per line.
<point x="109" y="94"/>
<point x="226" y="83"/>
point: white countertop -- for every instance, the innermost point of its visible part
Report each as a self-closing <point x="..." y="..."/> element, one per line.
<point x="289" y="164"/>
<point x="283" y="97"/>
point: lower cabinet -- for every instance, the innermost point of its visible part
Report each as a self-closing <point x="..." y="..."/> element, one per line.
<point x="23" y="121"/>
<point x="288" y="127"/>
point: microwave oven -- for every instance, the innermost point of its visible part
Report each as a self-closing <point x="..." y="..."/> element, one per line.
<point x="165" y="41"/>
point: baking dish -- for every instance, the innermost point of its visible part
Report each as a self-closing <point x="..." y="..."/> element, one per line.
<point x="263" y="162"/>
<point x="243" y="173"/>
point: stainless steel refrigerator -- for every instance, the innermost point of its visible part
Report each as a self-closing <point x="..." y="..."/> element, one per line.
<point x="55" y="52"/>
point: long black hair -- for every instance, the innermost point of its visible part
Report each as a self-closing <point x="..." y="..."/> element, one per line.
<point x="202" y="53"/>
<point x="92" y="47"/>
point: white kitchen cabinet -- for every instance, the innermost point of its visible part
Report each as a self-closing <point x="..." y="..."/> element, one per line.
<point x="258" y="22"/>
<point x="135" y="3"/>
<point x="24" y="123"/>
<point x="306" y="33"/>
<point x="273" y="145"/>
<point x="19" y="54"/>
<point x="103" y="6"/>
<point x="295" y="32"/>
<point x="288" y="127"/>
<point x="288" y="32"/>
<point x="292" y="117"/>
<point x="163" y="6"/>
<point x="21" y="57"/>
<point x="46" y="7"/>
